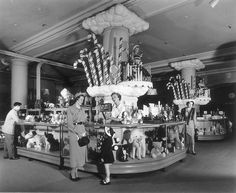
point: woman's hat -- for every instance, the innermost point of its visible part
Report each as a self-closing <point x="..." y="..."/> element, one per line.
<point x="109" y="131"/>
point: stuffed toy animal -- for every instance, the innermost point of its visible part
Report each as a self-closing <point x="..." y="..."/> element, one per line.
<point x="30" y="118"/>
<point x="157" y="149"/>
<point x="173" y="139"/>
<point x="138" y="144"/>
<point x="54" y="143"/>
<point x="171" y="147"/>
<point x="66" y="148"/>
<point x="123" y="154"/>
<point x="126" y="141"/>
<point x="181" y="137"/>
<point x="149" y="140"/>
<point x="29" y="138"/>
<point x="165" y="150"/>
<point x="34" y="141"/>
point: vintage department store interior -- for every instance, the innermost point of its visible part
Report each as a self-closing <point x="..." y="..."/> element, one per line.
<point x="158" y="55"/>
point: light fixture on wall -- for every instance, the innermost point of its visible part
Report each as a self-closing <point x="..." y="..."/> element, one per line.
<point x="213" y="3"/>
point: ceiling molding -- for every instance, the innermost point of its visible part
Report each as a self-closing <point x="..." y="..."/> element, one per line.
<point x="61" y="47"/>
<point x="208" y="58"/>
<point x="39" y="60"/>
<point x="63" y="28"/>
<point x="217" y="71"/>
<point x="165" y="9"/>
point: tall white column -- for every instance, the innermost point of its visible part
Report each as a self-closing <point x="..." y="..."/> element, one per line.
<point x="188" y="71"/>
<point x="116" y="25"/>
<point x="19" y="81"/>
<point x="38" y="81"/>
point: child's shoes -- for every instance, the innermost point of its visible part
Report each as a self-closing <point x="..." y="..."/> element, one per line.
<point x="104" y="182"/>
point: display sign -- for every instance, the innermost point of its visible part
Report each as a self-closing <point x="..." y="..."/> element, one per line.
<point x="106" y="107"/>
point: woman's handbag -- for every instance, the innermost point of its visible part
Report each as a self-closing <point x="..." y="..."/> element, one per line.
<point x="82" y="141"/>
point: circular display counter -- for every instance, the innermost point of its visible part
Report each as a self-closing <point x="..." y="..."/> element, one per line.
<point x="133" y="164"/>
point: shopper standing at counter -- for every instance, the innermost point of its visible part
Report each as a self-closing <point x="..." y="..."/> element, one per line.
<point x="9" y="130"/>
<point x="76" y="117"/>
<point x="117" y="109"/>
<point x="189" y="115"/>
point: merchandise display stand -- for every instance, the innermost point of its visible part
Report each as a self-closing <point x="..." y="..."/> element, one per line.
<point x="146" y="164"/>
<point x="212" y="129"/>
<point x="135" y="165"/>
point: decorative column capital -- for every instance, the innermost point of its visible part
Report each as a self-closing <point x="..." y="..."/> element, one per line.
<point x="19" y="61"/>
<point x="118" y="15"/>
<point x="194" y="63"/>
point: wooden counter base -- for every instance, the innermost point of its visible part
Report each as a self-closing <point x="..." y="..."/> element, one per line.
<point x="136" y="166"/>
<point x="210" y="137"/>
<point x="50" y="157"/>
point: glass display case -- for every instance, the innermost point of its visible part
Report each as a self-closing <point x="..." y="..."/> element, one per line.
<point x="140" y="147"/>
<point x="40" y="141"/>
<point x="213" y="128"/>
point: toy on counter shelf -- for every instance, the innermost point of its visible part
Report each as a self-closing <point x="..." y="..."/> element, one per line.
<point x="138" y="139"/>
<point x="157" y="149"/>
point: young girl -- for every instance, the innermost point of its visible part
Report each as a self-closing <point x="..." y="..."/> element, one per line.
<point x="106" y="153"/>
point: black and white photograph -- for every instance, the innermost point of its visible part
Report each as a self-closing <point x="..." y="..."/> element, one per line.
<point x="118" y="96"/>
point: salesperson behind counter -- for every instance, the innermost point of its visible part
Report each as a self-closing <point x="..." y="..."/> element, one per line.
<point x="117" y="109"/>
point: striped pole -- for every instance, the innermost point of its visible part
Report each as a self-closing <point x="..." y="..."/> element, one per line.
<point x="119" y="59"/>
<point x="83" y="59"/>
<point x="86" y="72"/>
<point x="93" y="68"/>
<point x="99" y="66"/>
<point x="106" y="70"/>
<point x="113" y="71"/>
<point x="176" y="85"/>
<point x="170" y="85"/>
<point x="182" y="89"/>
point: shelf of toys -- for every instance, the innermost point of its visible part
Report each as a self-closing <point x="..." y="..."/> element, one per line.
<point x="40" y="141"/>
<point x="212" y="127"/>
<point x="139" y="147"/>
